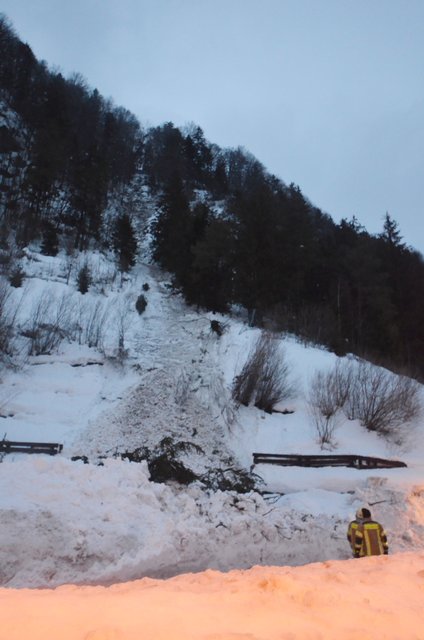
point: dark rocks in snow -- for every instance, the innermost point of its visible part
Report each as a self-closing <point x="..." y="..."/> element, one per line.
<point x="217" y="327"/>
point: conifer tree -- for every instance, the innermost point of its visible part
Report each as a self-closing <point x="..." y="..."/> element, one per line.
<point x="391" y="233"/>
<point x="50" y="240"/>
<point x="84" y="279"/>
<point x="172" y="230"/>
<point x="125" y="242"/>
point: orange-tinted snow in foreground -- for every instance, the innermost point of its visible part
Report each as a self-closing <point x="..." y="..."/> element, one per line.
<point x="374" y="598"/>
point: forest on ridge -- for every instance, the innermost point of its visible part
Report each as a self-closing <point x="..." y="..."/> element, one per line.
<point x="229" y="232"/>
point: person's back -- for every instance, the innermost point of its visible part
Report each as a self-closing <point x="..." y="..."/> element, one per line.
<point x="366" y="536"/>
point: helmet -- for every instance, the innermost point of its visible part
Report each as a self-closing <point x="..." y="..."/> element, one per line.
<point x="362" y="513"/>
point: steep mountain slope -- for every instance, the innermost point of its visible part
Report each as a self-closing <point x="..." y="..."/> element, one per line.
<point x="178" y="381"/>
<point x="65" y="521"/>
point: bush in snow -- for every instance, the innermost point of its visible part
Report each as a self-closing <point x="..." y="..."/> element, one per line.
<point x="264" y="379"/>
<point x="381" y="400"/>
<point x="217" y="327"/>
<point x="8" y="313"/>
<point x="49" y="323"/>
<point x="330" y="390"/>
<point x="325" y="426"/>
<point x="16" y="277"/>
<point x="328" y="393"/>
<point x="92" y="324"/>
<point x="141" y="304"/>
<point x="123" y="319"/>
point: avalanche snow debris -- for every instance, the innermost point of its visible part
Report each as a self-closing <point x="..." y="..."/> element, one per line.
<point x="64" y="521"/>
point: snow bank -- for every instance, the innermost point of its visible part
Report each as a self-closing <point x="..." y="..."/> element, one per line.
<point x="371" y="598"/>
<point x="96" y="524"/>
<point x="69" y="522"/>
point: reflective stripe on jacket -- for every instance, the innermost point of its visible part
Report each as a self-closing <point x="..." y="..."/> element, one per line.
<point x="367" y="538"/>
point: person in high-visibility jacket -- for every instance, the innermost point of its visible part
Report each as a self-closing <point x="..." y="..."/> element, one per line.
<point x="366" y="536"/>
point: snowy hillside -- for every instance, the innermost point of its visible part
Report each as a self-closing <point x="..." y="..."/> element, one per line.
<point x="165" y="373"/>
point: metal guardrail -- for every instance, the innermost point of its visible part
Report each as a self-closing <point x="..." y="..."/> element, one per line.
<point x="10" y="446"/>
<point x="300" y="460"/>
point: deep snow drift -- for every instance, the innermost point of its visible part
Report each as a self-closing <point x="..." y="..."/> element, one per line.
<point x="68" y="522"/>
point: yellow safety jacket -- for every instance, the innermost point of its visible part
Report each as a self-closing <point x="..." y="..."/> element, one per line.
<point x="367" y="538"/>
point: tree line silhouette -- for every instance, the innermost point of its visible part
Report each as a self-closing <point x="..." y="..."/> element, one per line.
<point x="228" y="231"/>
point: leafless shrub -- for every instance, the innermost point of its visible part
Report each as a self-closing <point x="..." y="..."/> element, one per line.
<point x="325" y="425"/>
<point x="244" y="384"/>
<point x="8" y="315"/>
<point x="36" y="327"/>
<point x="223" y="400"/>
<point x="49" y="323"/>
<point x="327" y="395"/>
<point x="264" y="379"/>
<point x="123" y="320"/>
<point x="330" y="390"/>
<point x="341" y="380"/>
<point x="93" y="319"/>
<point x="381" y="400"/>
<point x="63" y="313"/>
<point x="103" y="274"/>
<point x="70" y="262"/>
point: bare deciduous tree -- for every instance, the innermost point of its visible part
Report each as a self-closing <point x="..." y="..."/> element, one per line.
<point x="264" y="379"/>
<point x="325" y="425"/>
